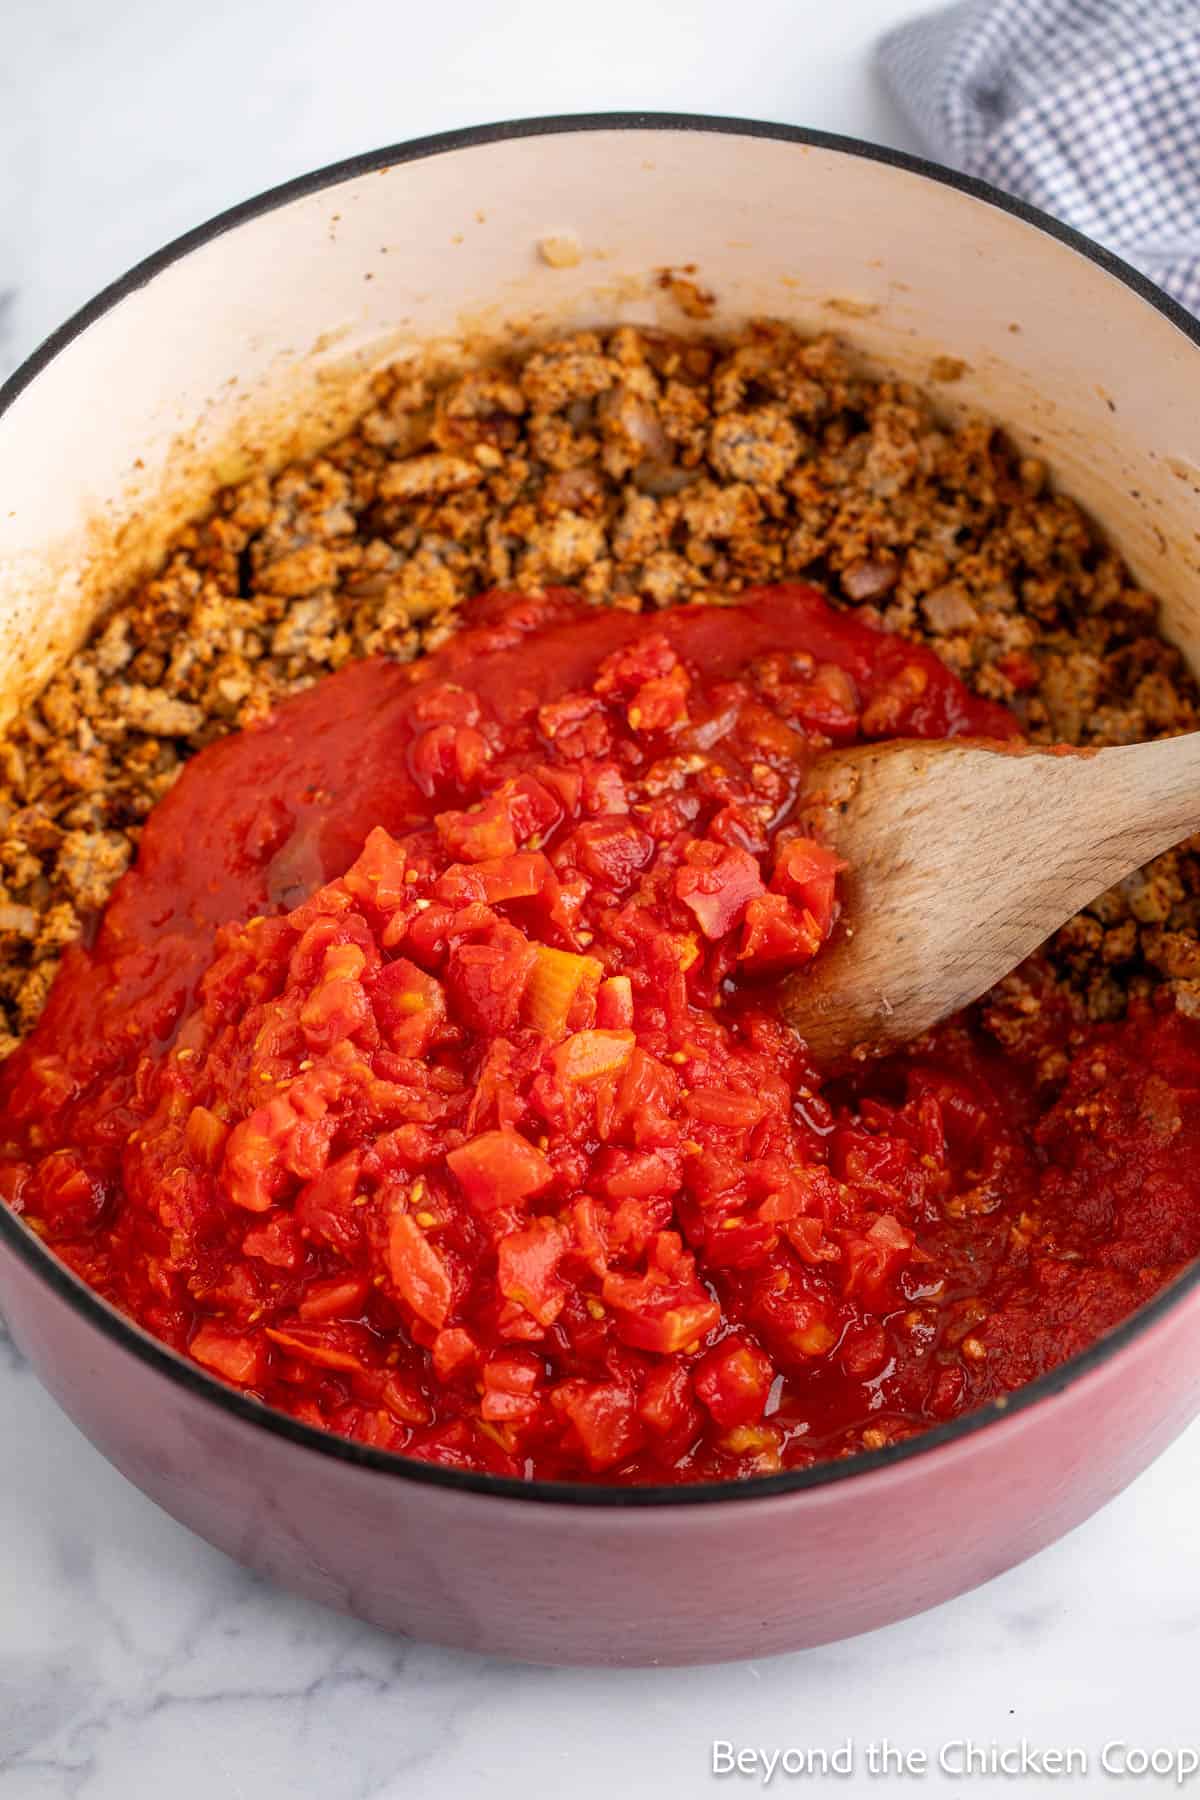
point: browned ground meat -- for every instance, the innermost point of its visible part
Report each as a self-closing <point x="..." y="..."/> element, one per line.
<point x="645" y="469"/>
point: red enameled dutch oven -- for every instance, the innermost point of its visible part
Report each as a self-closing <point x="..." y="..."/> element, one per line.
<point x="253" y="336"/>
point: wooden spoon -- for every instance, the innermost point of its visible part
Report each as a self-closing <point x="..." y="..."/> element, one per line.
<point x="964" y="857"/>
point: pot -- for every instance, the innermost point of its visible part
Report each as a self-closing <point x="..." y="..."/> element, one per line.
<point x="252" y="338"/>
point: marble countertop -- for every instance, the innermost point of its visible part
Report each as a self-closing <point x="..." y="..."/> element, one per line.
<point x="134" y="1660"/>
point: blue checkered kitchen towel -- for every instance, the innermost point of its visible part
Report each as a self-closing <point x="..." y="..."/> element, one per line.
<point x="1088" y="108"/>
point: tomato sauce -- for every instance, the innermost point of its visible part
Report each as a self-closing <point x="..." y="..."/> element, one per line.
<point x="424" y="1077"/>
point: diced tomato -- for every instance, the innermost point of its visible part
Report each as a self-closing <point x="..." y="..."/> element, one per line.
<point x="604" y="790"/>
<point x="338" y="1347"/>
<point x="426" y="935"/>
<point x="614" y="1004"/>
<point x="661" y="702"/>
<point x="337" y="1009"/>
<point x="534" y="807"/>
<point x="669" y="1255"/>
<point x="733" y="1381"/>
<point x="451" y="752"/>
<point x="496" y="1101"/>
<point x="454" y="1350"/>
<point x="717" y="883"/>
<point x="828" y="703"/>
<point x="577" y="725"/>
<point x="447" y="703"/>
<point x="871" y="1260"/>
<point x="564" y="785"/>
<point x="585" y="1055"/>
<point x="496" y="880"/>
<point x="336" y="1297"/>
<point x="510" y="1382"/>
<point x="657" y="1314"/>
<point x="740" y="1244"/>
<point x="527" y="1262"/>
<point x="807" y="1238"/>
<point x="253" y="1175"/>
<point x="405" y="1401"/>
<point x="276" y="1241"/>
<point x="724" y="1107"/>
<point x="796" y="1325"/>
<point x="807" y="872"/>
<point x="864" y="1352"/>
<point x="666" y="1406"/>
<point x="647" y="1099"/>
<point x="589" y="1234"/>
<point x="420" y="1275"/>
<point x="487" y="977"/>
<point x="500" y="1168"/>
<point x="378" y="876"/>
<point x="326" y="1208"/>
<point x="777" y="934"/>
<point x="810" y="1192"/>
<point x="480" y="834"/>
<point x="612" y="851"/>
<point x="947" y="1391"/>
<point x="333" y="947"/>
<point x="627" y="668"/>
<point x="638" y="1174"/>
<point x="234" y="1356"/>
<point x="409" y="1005"/>
<point x="289" y="1138"/>
<point x="604" y="1418"/>
<point x="772" y="735"/>
<point x="870" y="1159"/>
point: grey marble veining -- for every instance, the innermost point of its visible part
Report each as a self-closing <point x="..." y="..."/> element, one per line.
<point x="135" y="1662"/>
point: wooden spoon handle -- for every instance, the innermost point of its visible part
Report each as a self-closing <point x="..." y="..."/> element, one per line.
<point x="965" y="858"/>
<point x="1140" y="798"/>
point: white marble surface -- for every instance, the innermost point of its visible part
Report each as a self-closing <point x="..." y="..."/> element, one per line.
<point x="136" y="1662"/>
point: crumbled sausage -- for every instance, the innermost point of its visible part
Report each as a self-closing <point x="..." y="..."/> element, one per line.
<point x="948" y="609"/>
<point x="759" y="447"/>
<point x="425" y="475"/>
<point x="89" y="865"/>
<point x="299" y="572"/>
<point x="151" y="710"/>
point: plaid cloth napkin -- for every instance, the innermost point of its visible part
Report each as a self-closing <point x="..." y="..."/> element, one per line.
<point x="1089" y="109"/>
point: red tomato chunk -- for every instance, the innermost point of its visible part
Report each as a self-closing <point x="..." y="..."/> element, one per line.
<point x="454" y="1112"/>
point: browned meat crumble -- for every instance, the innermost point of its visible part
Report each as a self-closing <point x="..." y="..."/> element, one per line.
<point x="646" y="470"/>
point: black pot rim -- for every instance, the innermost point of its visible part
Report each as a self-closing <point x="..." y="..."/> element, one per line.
<point x="149" y="1350"/>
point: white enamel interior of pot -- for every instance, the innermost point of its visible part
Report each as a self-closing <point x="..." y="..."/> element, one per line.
<point x="257" y="341"/>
